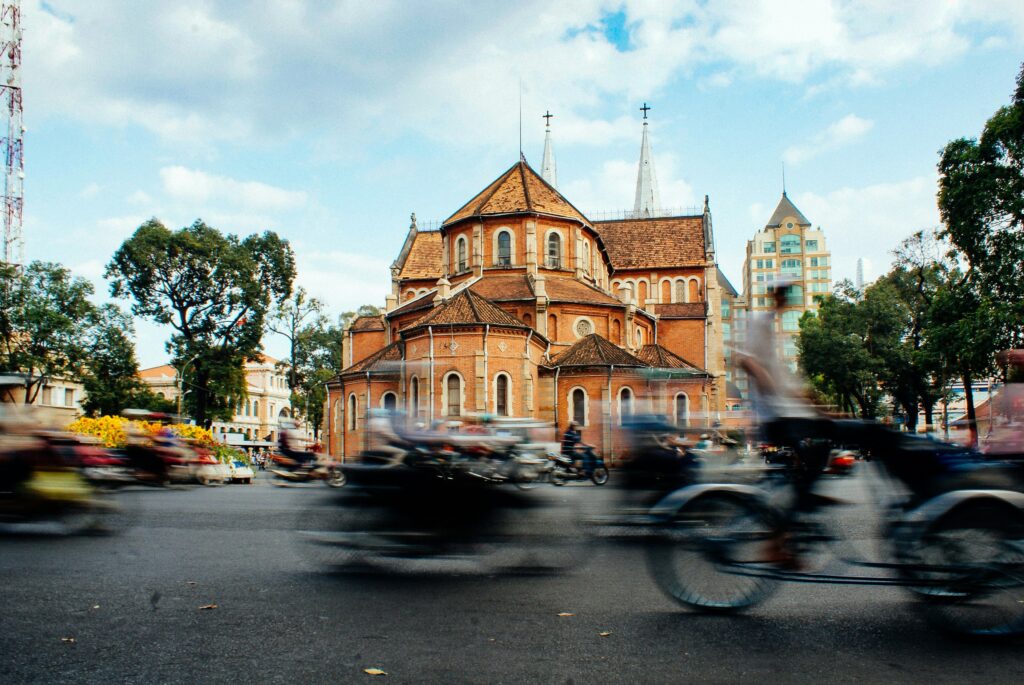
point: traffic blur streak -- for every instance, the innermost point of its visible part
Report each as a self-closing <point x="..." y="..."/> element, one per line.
<point x="445" y="502"/>
<point x="42" y="485"/>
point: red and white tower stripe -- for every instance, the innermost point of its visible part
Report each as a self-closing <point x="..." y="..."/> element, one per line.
<point x="12" y="143"/>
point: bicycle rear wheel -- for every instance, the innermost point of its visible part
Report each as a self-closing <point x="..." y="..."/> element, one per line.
<point x="700" y="561"/>
<point x="975" y="562"/>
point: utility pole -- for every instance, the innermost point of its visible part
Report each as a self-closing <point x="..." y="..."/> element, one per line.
<point x="12" y="138"/>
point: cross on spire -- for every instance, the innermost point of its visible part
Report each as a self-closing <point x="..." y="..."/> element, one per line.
<point x="645" y="109"/>
<point x="547" y="116"/>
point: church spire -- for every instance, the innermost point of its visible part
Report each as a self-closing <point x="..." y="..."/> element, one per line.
<point x="548" y="170"/>
<point x="647" y="201"/>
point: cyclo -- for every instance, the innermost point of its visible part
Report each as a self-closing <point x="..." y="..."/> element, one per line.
<point x="953" y="532"/>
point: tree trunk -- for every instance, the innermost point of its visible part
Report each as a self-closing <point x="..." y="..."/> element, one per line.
<point x="972" y="419"/>
<point x="929" y="410"/>
<point x="911" y="409"/>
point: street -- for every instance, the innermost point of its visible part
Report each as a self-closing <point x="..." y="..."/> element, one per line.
<point x="129" y="608"/>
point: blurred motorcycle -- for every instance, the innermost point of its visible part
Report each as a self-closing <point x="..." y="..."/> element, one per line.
<point x="296" y="471"/>
<point x="566" y="469"/>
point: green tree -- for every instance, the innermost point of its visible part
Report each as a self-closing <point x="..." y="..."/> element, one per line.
<point x="214" y="290"/>
<point x="297" y="319"/>
<point x="111" y="370"/>
<point x="44" y="315"/>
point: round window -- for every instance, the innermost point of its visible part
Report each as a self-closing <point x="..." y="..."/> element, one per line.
<point x="789" y="225"/>
<point x="584" y="328"/>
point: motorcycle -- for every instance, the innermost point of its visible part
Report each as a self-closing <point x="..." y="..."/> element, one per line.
<point x="564" y="468"/>
<point x="953" y="531"/>
<point x="296" y="471"/>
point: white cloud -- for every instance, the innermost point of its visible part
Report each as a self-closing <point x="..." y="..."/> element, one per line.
<point x="139" y="197"/>
<point x="207" y="72"/>
<point x="871" y="221"/>
<point x="90" y="191"/>
<point x="342" y="280"/>
<point x="613" y="186"/>
<point x="843" y="132"/>
<point x="201" y="188"/>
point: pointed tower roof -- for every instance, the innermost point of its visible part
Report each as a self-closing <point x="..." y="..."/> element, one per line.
<point x="518" y="190"/>
<point x="648" y="202"/>
<point x="784" y="209"/>
<point x="548" y="170"/>
<point x="467" y="308"/>
<point x="593" y="350"/>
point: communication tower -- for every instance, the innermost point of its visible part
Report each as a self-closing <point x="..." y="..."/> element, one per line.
<point x="12" y="142"/>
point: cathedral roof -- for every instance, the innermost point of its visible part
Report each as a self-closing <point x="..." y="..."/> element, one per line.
<point x="464" y="308"/>
<point x="424" y="301"/>
<point x="659" y="357"/>
<point x="504" y="287"/>
<point x="571" y="290"/>
<point x="593" y="350"/>
<point x="424" y="259"/>
<point x="654" y="243"/>
<point x="784" y="209"/>
<point x="518" y="190"/>
<point x="382" y="360"/>
<point x="368" y="323"/>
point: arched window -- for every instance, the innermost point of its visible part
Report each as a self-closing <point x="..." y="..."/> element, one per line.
<point x="579" y="406"/>
<point x="528" y="319"/>
<point x="790" y="321"/>
<point x="248" y="408"/>
<point x="694" y="291"/>
<point x="552" y="327"/>
<point x="616" y="332"/>
<point x="586" y="257"/>
<point x="554" y="251"/>
<point x="641" y="294"/>
<point x="389" y="401"/>
<point x="504" y="248"/>
<point x="352" y="412"/>
<point x="625" y="404"/>
<point x="682" y="410"/>
<point x="666" y="292"/>
<point x="453" y="395"/>
<point x="680" y="294"/>
<point x="460" y="254"/>
<point x="501" y="386"/>
<point x="255" y="407"/>
<point x="639" y="336"/>
<point x="414" y="397"/>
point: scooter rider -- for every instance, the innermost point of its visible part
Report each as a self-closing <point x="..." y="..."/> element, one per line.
<point x="572" y="445"/>
<point x="289" y="442"/>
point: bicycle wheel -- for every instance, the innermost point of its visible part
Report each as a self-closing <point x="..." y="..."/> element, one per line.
<point x="974" y="561"/>
<point x="707" y="549"/>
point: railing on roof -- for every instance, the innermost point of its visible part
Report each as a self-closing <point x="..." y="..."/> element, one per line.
<point x="623" y="214"/>
<point x="429" y="224"/>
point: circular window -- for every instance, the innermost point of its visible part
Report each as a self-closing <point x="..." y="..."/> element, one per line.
<point x="789" y="225"/>
<point x="584" y="328"/>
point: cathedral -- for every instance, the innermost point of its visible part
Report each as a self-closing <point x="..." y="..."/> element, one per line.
<point x="522" y="306"/>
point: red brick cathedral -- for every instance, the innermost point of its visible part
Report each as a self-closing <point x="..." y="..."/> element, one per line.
<point x="522" y="306"/>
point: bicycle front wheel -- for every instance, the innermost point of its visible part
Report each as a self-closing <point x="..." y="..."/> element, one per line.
<point x="707" y="558"/>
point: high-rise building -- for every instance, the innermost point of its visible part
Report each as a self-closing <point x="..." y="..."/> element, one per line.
<point x="864" y="274"/>
<point x="786" y="249"/>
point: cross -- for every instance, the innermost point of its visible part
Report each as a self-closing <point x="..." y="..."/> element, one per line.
<point x="547" y="116"/>
<point x="645" y="109"/>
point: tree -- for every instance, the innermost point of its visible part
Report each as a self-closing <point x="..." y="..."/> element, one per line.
<point x="981" y="202"/>
<point x="110" y="376"/>
<point x="214" y="290"/>
<point x="44" y="315"/>
<point x="297" y="319"/>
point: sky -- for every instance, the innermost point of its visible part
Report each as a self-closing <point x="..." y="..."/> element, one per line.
<point x="331" y="122"/>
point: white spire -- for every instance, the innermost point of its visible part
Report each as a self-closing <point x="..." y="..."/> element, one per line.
<point x="647" y="201"/>
<point x="548" y="170"/>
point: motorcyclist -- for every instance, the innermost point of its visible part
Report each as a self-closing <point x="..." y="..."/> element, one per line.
<point x="573" y="448"/>
<point x="289" y="444"/>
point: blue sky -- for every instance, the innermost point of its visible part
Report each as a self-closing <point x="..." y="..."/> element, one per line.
<point x="331" y="122"/>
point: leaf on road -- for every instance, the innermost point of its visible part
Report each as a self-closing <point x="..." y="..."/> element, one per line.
<point x="605" y="633"/>
<point x="374" y="671"/>
<point x="69" y="640"/>
<point x="207" y="606"/>
<point x="566" y="613"/>
<point x="95" y="606"/>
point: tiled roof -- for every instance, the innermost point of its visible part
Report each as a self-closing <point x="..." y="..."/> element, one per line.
<point x="571" y="290"/>
<point x="424" y="301"/>
<point x="467" y="308"/>
<point x="784" y="209"/>
<point x="504" y="287"/>
<point x="425" y="257"/>
<point x="680" y="310"/>
<point x="654" y="243"/>
<point x="659" y="357"/>
<point x="158" y="371"/>
<point x="382" y="360"/>
<point x="593" y="350"/>
<point x="724" y="282"/>
<point x="368" y="323"/>
<point x="520" y="189"/>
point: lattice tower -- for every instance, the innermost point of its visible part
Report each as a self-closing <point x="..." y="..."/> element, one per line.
<point x="12" y="142"/>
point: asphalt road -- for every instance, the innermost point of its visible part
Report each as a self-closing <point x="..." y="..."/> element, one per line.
<point x="131" y="603"/>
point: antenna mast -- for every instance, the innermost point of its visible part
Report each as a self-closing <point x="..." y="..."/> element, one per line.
<point x="12" y="140"/>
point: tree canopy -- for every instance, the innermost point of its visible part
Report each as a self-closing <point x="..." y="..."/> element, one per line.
<point x="215" y="291"/>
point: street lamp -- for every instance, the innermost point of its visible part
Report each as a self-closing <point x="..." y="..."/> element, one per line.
<point x="181" y="381"/>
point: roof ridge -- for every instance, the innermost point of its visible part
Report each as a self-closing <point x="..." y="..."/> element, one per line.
<point x="522" y="177"/>
<point x="472" y="304"/>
